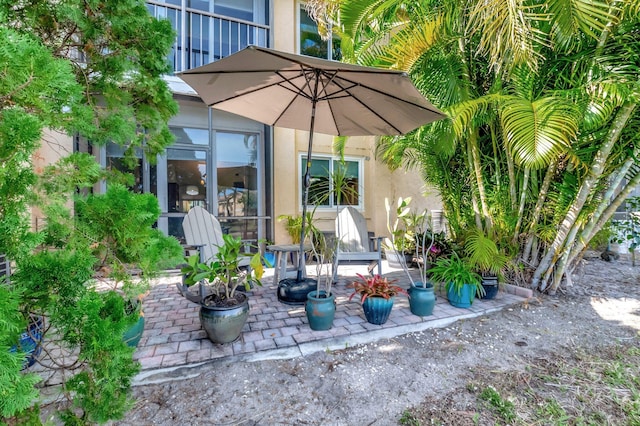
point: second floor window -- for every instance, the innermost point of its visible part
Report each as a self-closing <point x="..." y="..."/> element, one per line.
<point x="312" y="44"/>
<point x="334" y="181"/>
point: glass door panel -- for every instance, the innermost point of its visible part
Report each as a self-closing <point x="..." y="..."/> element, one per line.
<point x="238" y="183"/>
<point x="186" y="185"/>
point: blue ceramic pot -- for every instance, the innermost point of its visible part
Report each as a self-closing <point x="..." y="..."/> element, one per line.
<point x="320" y="310"/>
<point x="462" y="298"/>
<point x="422" y="299"/>
<point x="30" y="341"/>
<point x="377" y="309"/>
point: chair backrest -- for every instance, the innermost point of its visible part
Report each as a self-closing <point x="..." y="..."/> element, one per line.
<point x="351" y="231"/>
<point x="201" y="228"/>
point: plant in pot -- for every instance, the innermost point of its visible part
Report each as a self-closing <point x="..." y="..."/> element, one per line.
<point x="422" y="298"/>
<point x="320" y="306"/>
<point x="225" y="310"/>
<point x="485" y="258"/>
<point x="376" y="294"/>
<point x="400" y="245"/>
<point x="460" y="281"/>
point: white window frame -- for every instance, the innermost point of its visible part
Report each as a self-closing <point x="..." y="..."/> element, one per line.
<point x="331" y="158"/>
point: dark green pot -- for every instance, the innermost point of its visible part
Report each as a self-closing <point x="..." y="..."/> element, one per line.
<point x="133" y="335"/>
<point x="422" y="299"/>
<point x="377" y="309"/>
<point x="320" y="310"/>
<point x="224" y="324"/>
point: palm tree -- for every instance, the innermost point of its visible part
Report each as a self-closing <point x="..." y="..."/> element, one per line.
<point x="542" y="105"/>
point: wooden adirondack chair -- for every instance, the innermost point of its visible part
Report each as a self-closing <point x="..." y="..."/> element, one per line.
<point x="203" y="232"/>
<point x="354" y="242"/>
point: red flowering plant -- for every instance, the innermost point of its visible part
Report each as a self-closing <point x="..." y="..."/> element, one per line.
<point x="375" y="286"/>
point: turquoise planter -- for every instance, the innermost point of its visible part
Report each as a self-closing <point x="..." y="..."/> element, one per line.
<point x="422" y="299"/>
<point x="30" y="342"/>
<point x="132" y="336"/>
<point x="377" y="309"/>
<point x="463" y="298"/>
<point x="320" y="310"/>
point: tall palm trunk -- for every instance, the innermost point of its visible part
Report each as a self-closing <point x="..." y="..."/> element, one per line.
<point x="605" y="211"/>
<point x="597" y="167"/>
<point x="523" y="198"/>
<point x="542" y="197"/>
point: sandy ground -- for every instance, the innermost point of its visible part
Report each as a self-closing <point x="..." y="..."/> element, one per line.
<point x="375" y="383"/>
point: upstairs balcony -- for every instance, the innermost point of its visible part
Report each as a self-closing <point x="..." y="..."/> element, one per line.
<point x="203" y="37"/>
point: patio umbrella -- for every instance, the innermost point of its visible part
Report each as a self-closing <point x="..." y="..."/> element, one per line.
<point x="305" y="93"/>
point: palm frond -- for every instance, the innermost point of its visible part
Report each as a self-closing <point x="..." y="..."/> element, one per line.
<point x="569" y="17"/>
<point x="507" y="34"/>
<point x="465" y="115"/>
<point x="409" y="44"/>
<point x="535" y="132"/>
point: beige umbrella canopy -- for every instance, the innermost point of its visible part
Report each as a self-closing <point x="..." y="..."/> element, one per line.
<point x="304" y="93"/>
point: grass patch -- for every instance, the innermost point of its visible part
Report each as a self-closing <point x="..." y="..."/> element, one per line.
<point x="601" y="388"/>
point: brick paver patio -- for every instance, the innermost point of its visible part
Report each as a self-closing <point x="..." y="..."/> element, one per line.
<point x="173" y="336"/>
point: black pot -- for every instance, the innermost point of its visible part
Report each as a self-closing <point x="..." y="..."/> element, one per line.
<point x="490" y="285"/>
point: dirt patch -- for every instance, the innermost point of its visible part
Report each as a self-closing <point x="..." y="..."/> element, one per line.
<point x="434" y="375"/>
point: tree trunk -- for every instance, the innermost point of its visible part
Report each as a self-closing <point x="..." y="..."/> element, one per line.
<point x="590" y="180"/>
<point x="523" y="199"/>
<point x="591" y="228"/>
<point x="542" y="197"/>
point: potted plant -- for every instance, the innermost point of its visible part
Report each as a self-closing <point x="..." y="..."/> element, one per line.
<point x="422" y="298"/>
<point x="376" y="294"/>
<point x="225" y="310"/>
<point x="400" y="245"/>
<point x="320" y="306"/>
<point x="461" y="282"/>
<point x="486" y="259"/>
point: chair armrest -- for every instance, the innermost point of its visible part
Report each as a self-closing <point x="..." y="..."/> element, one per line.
<point x="375" y="243"/>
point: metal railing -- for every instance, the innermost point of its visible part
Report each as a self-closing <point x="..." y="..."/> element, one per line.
<point x="205" y="37"/>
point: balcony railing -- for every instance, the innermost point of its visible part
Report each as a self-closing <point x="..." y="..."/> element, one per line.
<point x="205" y="37"/>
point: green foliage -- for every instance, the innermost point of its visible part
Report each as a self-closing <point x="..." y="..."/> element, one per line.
<point x="293" y="225"/>
<point x="405" y="228"/>
<point x="407" y="419"/>
<point x="224" y="273"/>
<point x="123" y="97"/>
<point x="102" y="389"/>
<point x="483" y="254"/>
<point x="502" y="407"/>
<point x="455" y="272"/>
<point x="119" y="97"/>
<point x="16" y="389"/>
<point x="534" y="89"/>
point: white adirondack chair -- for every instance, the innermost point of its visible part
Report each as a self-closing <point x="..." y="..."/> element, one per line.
<point x="354" y="243"/>
<point x="203" y="231"/>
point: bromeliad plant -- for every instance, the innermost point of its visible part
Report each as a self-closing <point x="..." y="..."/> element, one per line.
<point x="375" y="286"/>
<point x="224" y="274"/>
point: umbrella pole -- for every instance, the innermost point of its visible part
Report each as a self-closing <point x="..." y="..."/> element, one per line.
<point x="305" y="200"/>
<point x="307" y="177"/>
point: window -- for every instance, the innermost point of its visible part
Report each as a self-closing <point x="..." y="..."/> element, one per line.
<point x="311" y="44"/>
<point x="327" y="176"/>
